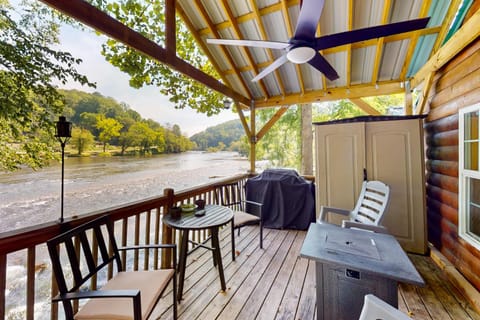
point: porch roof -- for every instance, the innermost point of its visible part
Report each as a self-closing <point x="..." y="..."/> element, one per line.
<point x="374" y="67"/>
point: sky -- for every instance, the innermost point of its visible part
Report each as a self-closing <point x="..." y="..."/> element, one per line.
<point x="111" y="82"/>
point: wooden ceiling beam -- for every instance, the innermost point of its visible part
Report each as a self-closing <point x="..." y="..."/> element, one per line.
<point x="462" y="38"/>
<point x="349" y="46"/>
<point x="224" y="51"/>
<point x="271" y="122"/>
<point x="332" y="94"/>
<point x="290" y="31"/>
<point x="263" y="34"/>
<point x="204" y="47"/>
<point x="414" y="40"/>
<point x="365" y="106"/>
<point x="238" y="34"/>
<point x="84" y="12"/>
<point x="380" y="43"/>
<point x="451" y="13"/>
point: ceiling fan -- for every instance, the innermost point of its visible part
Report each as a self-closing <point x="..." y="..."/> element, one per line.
<point x="303" y="47"/>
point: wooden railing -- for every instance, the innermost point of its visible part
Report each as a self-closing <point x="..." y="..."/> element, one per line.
<point x="136" y="223"/>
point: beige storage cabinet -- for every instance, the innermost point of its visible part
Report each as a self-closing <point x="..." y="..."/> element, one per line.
<point x="385" y="148"/>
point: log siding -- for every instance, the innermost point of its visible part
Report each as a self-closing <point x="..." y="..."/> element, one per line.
<point x="456" y="85"/>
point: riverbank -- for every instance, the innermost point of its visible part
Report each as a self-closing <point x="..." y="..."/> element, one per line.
<point x="30" y="197"/>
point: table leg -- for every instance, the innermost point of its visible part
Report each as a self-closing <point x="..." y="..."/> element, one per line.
<point x="218" y="256"/>
<point x="232" y="232"/>
<point x="182" y="264"/>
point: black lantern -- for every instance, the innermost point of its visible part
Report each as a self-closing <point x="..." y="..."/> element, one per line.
<point x="227" y="103"/>
<point x="63" y="133"/>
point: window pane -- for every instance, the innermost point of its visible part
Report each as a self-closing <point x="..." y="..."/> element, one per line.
<point x="471" y="126"/>
<point x="471" y="156"/>
<point x="474" y="208"/>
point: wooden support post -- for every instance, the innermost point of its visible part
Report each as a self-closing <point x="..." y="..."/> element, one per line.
<point x="408" y="99"/>
<point x="307" y="140"/>
<point x="253" y="138"/>
<point x="167" y="232"/>
<point x="426" y="89"/>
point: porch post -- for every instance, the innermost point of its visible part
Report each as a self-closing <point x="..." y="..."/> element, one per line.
<point x="253" y="137"/>
<point x="167" y="232"/>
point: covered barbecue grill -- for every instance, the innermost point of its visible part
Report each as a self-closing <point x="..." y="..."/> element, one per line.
<point x="288" y="199"/>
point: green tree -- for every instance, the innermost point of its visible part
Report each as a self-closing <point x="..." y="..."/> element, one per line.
<point x="29" y="99"/>
<point x="147" y="18"/>
<point x="82" y="140"/>
<point x="109" y="128"/>
<point x="141" y="136"/>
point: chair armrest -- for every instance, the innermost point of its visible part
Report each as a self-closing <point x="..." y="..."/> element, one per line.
<point x="325" y="209"/>
<point x="363" y="226"/>
<point x="98" y="294"/>
<point x="258" y="204"/>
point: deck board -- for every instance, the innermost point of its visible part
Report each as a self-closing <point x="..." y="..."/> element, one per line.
<point x="275" y="283"/>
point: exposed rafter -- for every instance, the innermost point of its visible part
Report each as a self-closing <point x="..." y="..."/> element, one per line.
<point x="380" y="43"/>
<point x="86" y="13"/>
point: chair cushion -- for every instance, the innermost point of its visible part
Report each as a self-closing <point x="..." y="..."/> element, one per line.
<point x="241" y="218"/>
<point x="150" y="283"/>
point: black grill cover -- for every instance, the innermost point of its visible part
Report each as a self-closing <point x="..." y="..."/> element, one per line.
<point x="288" y="199"/>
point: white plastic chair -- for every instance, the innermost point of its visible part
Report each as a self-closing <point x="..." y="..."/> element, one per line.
<point x="377" y="309"/>
<point x="369" y="209"/>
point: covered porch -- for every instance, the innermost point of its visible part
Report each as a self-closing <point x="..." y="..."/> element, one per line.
<point x="275" y="283"/>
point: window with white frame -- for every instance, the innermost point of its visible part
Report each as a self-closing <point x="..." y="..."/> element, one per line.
<point x="469" y="175"/>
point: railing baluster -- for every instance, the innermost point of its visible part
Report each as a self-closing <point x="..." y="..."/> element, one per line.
<point x="157" y="238"/>
<point x="30" y="283"/>
<point x="147" y="240"/>
<point x="3" y="284"/>
<point x="124" y="242"/>
<point x="136" y="241"/>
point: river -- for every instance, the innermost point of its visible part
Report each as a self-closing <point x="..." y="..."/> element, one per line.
<point x="30" y="197"/>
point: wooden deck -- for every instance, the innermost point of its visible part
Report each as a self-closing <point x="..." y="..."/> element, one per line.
<point x="274" y="283"/>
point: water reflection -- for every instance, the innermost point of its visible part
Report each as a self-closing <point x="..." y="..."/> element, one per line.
<point x="30" y="197"/>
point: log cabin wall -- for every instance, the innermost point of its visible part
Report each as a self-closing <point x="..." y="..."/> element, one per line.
<point x="456" y="85"/>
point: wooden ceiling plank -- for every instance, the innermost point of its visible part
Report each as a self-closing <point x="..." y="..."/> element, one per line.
<point x="290" y="31"/>
<point x="204" y="47"/>
<point x="238" y="34"/>
<point x="88" y="14"/>
<point x="380" y="43"/>
<point x="365" y="106"/>
<point x="451" y="13"/>
<point x="263" y="34"/>
<point x="414" y="40"/>
<point x="462" y="38"/>
<point x="349" y="46"/>
<point x="271" y="122"/>
<point x="203" y="13"/>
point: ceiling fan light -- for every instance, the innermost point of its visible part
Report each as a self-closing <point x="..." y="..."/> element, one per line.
<point x="300" y="54"/>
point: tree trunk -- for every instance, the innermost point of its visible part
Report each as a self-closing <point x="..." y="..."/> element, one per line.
<point x="307" y="140"/>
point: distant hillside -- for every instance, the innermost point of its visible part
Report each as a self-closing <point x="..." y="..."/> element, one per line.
<point x="225" y="133"/>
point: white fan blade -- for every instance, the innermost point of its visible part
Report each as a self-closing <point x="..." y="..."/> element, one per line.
<point x="275" y="64"/>
<point x="250" y="43"/>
